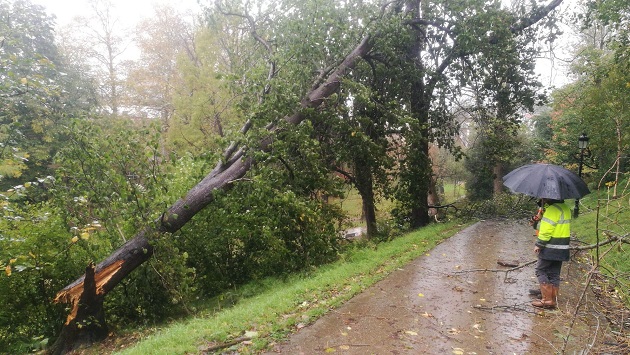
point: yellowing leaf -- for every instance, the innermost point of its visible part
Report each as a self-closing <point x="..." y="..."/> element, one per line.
<point x="344" y="334"/>
<point x="11" y="261"/>
<point x="458" y="351"/>
<point x="482" y="299"/>
<point x="32" y="255"/>
<point x="420" y="295"/>
<point x="85" y="235"/>
<point x="330" y="350"/>
<point x="8" y="270"/>
<point x="23" y="81"/>
<point x="410" y="332"/>
<point x="75" y="239"/>
<point x="344" y="347"/>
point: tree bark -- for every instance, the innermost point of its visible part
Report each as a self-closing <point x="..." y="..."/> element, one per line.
<point x="497" y="178"/>
<point x="433" y="199"/>
<point x="86" y="323"/>
<point x="365" y="186"/>
<point x="87" y="293"/>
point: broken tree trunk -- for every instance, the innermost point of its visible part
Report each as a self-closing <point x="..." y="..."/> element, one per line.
<point x="87" y="293"/>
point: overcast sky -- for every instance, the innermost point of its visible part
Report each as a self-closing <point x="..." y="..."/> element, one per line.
<point x="128" y="11"/>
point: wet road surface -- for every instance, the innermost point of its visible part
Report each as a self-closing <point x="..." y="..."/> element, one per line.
<point x="444" y="303"/>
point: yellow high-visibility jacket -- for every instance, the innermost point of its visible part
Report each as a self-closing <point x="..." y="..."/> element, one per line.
<point x="554" y="232"/>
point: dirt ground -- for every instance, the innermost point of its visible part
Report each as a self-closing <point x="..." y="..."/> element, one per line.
<point x="457" y="299"/>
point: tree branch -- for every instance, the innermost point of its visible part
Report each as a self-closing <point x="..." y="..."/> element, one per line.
<point x="536" y="15"/>
<point x="611" y="239"/>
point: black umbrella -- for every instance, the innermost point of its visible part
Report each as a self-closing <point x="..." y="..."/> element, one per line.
<point x="546" y="181"/>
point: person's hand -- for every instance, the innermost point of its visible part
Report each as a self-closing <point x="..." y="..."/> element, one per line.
<point x="536" y="249"/>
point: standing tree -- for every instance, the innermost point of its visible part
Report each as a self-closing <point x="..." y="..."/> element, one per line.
<point x="99" y="41"/>
<point x="163" y="40"/>
<point x="442" y="44"/>
<point x="597" y="102"/>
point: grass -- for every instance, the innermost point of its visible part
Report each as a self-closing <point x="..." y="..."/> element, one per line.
<point x="276" y="307"/>
<point x="601" y="215"/>
<point x="352" y="203"/>
<point x="453" y="192"/>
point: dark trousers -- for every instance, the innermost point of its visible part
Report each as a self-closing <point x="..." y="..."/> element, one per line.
<point x="548" y="271"/>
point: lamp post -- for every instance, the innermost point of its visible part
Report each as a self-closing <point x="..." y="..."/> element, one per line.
<point x="582" y="144"/>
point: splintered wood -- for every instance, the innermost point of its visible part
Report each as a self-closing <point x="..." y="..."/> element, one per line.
<point x="73" y="295"/>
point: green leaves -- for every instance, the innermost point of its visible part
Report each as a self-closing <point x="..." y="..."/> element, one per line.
<point x="34" y="93"/>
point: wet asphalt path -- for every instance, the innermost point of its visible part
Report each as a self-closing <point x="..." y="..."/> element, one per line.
<point x="443" y="303"/>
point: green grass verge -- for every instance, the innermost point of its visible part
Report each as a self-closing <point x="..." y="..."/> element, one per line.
<point x="599" y="217"/>
<point x="276" y="307"/>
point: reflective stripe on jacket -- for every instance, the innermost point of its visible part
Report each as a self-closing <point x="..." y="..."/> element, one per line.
<point x="554" y="232"/>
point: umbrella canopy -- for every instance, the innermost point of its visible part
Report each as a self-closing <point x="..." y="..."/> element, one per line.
<point x="546" y="181"/>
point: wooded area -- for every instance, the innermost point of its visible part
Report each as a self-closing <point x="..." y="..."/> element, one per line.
<point x="287" y="104"/>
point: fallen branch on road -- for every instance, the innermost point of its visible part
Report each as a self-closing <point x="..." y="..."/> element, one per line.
<point x="611" y="239"/>
<point x="497" y="270"/>
<point x="507" y="308"/>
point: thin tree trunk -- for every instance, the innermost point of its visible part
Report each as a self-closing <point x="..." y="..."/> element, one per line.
<point x="365" y="187"/>
<point x="433" y="199"/>
<point x="497" y="178"/>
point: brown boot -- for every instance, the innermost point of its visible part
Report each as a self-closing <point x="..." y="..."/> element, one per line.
<point x="535" y="292"/>
<point x="548" y="299"/>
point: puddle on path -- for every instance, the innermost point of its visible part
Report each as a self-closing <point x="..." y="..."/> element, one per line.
<point x="438" y="305"/>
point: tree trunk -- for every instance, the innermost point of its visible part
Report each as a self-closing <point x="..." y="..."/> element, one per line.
<point x="87" y="293"/>
<point x="86" y="323"/>
<point x="419" y="188"/>
<point x="497" y="178"/>
<point x="434" y="198"/>
<point x="365" y="187"/>
<point x="420" y="96"/>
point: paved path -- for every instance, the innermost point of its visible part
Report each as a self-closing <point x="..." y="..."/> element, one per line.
<point x="438" y="304"/>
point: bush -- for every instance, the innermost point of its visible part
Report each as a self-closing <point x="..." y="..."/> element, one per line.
<point x="39" y="256"/>
<point x="258" y="231"/>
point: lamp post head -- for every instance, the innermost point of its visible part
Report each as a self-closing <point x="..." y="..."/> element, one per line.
<point x="583" y="141"/>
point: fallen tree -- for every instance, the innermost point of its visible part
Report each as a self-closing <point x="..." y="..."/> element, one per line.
<point x="86" y="322"/>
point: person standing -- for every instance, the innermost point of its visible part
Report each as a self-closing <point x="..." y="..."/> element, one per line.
<point x="552" y="248"/>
